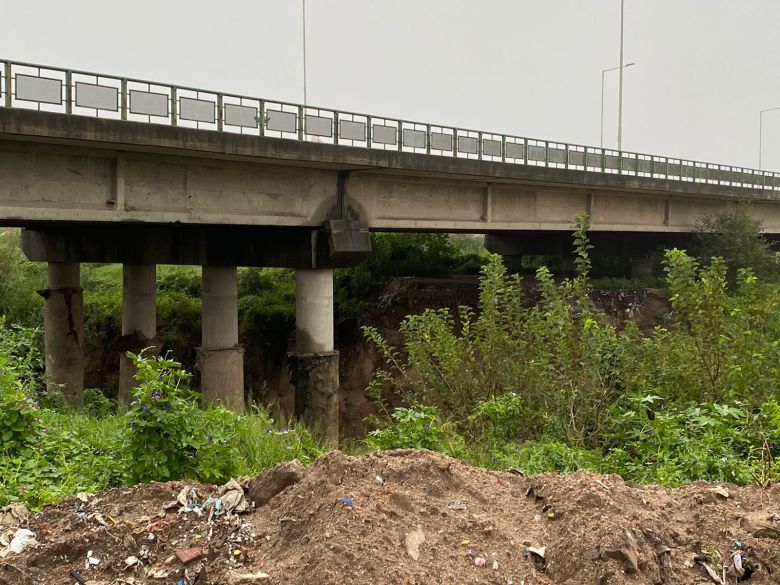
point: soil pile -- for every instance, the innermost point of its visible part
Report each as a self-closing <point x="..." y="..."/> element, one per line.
<point x="402" y="517"/>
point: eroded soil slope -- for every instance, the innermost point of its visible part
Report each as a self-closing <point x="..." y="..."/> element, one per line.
<point x="406" y="517"/>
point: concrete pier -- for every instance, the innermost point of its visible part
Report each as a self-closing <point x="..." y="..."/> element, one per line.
<point x="220" y="357"/>
<point x="314" y="365"/>
<point x="63" y="317"/>
<point x="139" y="322"/>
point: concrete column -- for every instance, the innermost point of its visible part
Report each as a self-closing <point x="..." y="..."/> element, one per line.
<point x="314" y="311"/>
<point x="63" y="317"/>
<point x="221" y="358"/>
<point x="641" y="266"/>
<point x="314" y="365"/>
<point x="139" y="322"/>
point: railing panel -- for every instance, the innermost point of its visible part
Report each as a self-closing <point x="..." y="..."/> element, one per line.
<point x="53" y="89"/>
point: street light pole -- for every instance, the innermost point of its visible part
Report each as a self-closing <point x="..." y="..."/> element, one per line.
<point x="620" y="97"/>
<point x="760" y="131"/>
<point x="603" y="71"/>
<point x="305" y="101"/>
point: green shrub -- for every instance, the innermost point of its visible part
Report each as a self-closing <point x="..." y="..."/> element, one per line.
<point x="162" y="439"/>
<point x="417" y="427"/>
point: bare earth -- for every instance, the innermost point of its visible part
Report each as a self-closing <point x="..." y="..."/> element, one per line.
<point x="408" y="517"/>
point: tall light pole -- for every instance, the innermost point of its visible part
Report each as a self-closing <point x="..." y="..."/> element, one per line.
<point x="620" y="97"/>
<point x="760" y="131"/>
<point x="603" y="71"/>
<point x="305" y="101"/>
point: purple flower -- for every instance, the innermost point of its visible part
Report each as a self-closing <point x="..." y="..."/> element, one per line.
<point x="284" y="431"/>
<point x="165" y="407"/>
<point x="156" y="394"/>
<point x="772" y="446"/>
<point x="133" y="425"/>
<point x="426" y="427"/>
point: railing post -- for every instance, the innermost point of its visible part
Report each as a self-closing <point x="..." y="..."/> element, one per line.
<point x="525" y="151"/>
<point x="400" y="136"/>
<point x="220" y="112"/>
<point x="301" y="113"/>
<point x="261" y="117"/>
<point x="479" y="145"/>
<point x="174" y="107"/>
<point x="546" y="153"/>
<point x="368" y="131"/>
<point x="335" y="127"/>
<point x="68" y="92"/>
<point x="566" y="157"/>
<point x="503" y="148"/>
<point x="8" y="87"/>
<point x="427" y="139"/>
<point x="123" y="98"/>
<point x="455" y="142"/>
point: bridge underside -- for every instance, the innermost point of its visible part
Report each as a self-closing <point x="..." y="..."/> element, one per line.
<point x="97" y="190"/>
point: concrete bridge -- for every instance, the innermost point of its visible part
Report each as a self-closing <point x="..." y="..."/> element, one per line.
<point x="99" y="168"/>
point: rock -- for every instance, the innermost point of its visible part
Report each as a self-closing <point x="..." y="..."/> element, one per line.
<point x="413" y="540"/>
<point x="762" y="524"/>
<point x="245" y="578"/>
<point x="267" y="485"/>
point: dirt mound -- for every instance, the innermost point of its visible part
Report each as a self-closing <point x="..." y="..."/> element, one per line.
<point x="404" y="517"/>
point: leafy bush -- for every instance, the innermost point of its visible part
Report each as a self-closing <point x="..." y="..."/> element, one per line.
<point x="417" y="427"/>
<point x="736" y="236"/>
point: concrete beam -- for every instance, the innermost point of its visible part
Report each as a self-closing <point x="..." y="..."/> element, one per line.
<point x="63" y="317"/>
<point x="221" y="358"/>
<point x="139" y="322"/>
<point x="338" y="243"/>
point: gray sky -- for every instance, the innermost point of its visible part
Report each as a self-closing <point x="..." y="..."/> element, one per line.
<point x="531" y="68"/>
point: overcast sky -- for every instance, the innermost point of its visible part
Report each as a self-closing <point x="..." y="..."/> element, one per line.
<point x="705" y="68"/>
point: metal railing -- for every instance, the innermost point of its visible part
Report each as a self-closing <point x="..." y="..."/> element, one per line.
<point x="30" y="86"/>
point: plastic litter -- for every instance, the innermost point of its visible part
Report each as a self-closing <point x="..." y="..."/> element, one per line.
<point x="22" y="540"/>
<point x="480" y="561"/>
<point x="347" y="501"/>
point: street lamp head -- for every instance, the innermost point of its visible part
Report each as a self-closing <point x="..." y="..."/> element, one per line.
<point x="628" y="64"/>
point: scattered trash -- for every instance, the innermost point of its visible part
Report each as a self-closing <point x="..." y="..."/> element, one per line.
<point x="14" y="516"/>
<point x="229" y="499"/>
<point x="379" y="480"/>
<point x="232" y="498"/>
<point x="21" y="541"/>
<point x="538" y="551"/>
<point x="495" y="565"/>
<point x="244" y="578"/>
<point x="711" y="572"/>
<point x="457" y="505"/>
<point x="480" y="561"/>
<point x="465" y="542"/>
<point x="720" y="491"/>
<point x="413" y="540"/>
<point x="188" y="555"/>
<point x="347" y="501"/>
<point x="131" y="561"/>
<point x="81" y="580"/>
<point x="91" y="561"/>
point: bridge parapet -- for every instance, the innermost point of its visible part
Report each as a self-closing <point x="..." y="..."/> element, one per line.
<point x="69" y="91"/>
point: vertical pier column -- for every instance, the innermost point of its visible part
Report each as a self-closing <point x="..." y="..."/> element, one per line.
<point x="221" y="358"/>
<point x="63" y="318"/>
<point x="139" y="322"/>
<point x="314" y="365"/>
